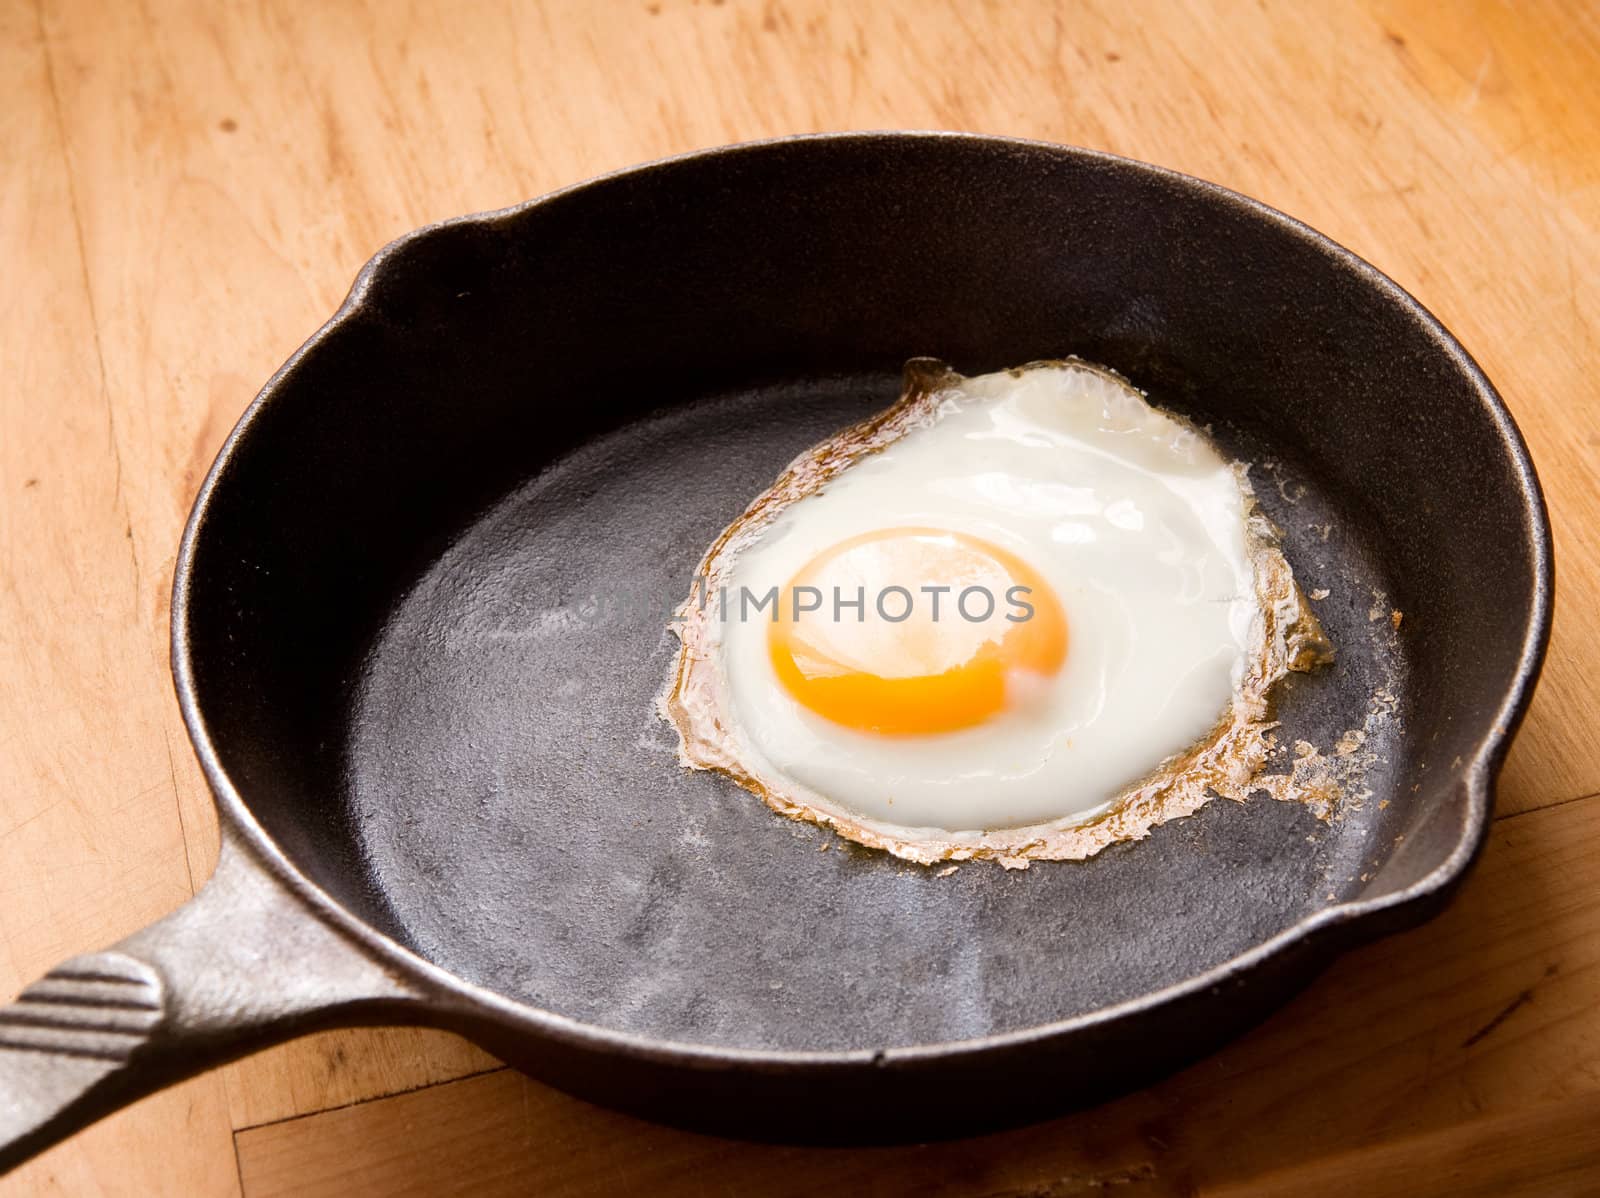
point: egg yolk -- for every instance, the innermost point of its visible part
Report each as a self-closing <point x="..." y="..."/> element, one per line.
<point x="914" y="631"/>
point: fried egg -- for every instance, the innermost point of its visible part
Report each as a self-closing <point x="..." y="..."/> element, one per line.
<point x="1016" y="616"/>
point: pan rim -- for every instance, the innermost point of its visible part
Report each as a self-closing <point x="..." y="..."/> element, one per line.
<point x="1360" y="919"/>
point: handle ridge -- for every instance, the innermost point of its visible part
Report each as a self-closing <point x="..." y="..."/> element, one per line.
<point x="243" y="964"/>
<point x="100" y="1006"/>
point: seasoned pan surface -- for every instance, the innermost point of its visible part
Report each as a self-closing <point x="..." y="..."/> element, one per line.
<point x="522" y="812"/>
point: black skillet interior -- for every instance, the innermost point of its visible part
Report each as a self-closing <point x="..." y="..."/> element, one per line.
<point x="429" y="601"/>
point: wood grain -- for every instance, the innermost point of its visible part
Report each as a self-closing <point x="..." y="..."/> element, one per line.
<point x="91" y="841"/>
<point x="336" y="1069"/>
<point x="190" y="187"/>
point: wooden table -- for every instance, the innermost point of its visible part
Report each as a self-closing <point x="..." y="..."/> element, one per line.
<point x="188" y="189"/>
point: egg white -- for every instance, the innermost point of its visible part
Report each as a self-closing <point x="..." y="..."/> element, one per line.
<point x="1142" y="529"/>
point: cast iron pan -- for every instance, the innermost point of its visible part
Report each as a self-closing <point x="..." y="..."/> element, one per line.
<point x="419" y="619"/>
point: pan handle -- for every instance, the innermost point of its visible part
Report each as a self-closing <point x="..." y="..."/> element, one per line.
<point x="243" y="964"/>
